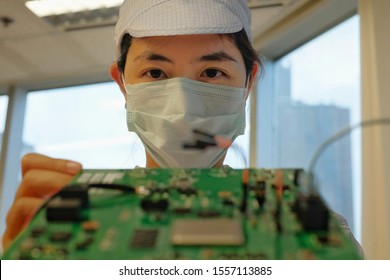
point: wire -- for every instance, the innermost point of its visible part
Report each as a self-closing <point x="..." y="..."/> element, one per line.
<point x="203" y="140"/>
<point x="117" y="187"/>
<point x="336" y="136"/>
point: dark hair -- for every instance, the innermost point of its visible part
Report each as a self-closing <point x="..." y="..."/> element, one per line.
<point x="125" y="45"/>
<point x="239" y="38"/>
<point x="249" y="54"/>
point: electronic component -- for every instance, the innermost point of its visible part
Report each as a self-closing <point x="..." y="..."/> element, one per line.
<point x="312" y="212"/>
<point x="60" y="236"/>
<point x="79" y="192"/>
<point x="144" y="238"/>
<point x="84" y="244"/>
<point x="207" y="232"/>
<point x="90" y="226"/>
<point x="63" y="210"/>
<point x="37" y="231"/>
<point x="184" y="214"/>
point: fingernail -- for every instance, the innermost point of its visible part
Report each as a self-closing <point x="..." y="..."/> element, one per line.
<point x="73" y="167"/>
<point x="223" y="143"/>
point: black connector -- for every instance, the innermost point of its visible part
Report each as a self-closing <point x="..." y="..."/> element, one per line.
<point x="79" y="192"/>
<point x="149" y="205"/>
<point x="64" y="210"/>
<point x="259" y="190"/>
<point x="312" y="213"/>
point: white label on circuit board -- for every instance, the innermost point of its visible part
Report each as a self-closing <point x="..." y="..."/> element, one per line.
<point x="111" y="177"/>
<point x="84" y="178"/>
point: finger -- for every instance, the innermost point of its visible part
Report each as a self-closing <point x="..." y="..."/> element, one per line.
<point x="38" y="161"/>
<point x="17" y="217"/>
<point x="222" y="142"/>
<point x="41" y="183"/>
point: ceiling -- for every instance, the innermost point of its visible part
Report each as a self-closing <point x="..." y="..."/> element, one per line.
<point x="36" y="55"/>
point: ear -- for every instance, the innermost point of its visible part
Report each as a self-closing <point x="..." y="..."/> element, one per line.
<point x="117" y="77"/>
<point x="252" y="78"/>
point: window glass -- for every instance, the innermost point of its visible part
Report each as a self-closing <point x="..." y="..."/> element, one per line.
<point x="317" y="93"/>
<point x="3" y="114"/>
<point x="83" y="123"/>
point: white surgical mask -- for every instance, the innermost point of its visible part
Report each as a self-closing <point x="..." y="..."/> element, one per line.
<point x="164" y="114"/>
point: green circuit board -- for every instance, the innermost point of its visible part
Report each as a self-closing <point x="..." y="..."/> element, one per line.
<point x="191" y="214"/>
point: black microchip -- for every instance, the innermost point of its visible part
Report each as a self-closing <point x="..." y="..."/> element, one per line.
<point x="85" y="243"/>
<point x="208" y="213"/>
<point x="144" y="238"/>
<point x="149" y="205"/>
<point x="187" y="191"/>
<point x="60" y="236"/>
<point x="37" y="231"/>
<point x="228" y="202"/>
<point x="79" y="192"/>
<point x="182" y="210"/>
<point x="63" y="210"/>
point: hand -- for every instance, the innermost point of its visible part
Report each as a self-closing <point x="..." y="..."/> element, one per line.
<point x="41" y="177"/>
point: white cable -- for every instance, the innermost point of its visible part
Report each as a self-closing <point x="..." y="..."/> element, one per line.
<point x="336" y="136"/>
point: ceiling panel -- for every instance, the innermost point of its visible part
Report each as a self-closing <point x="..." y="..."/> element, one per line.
<point x="25" y="23"/>
<point x="47" y="53"/>
<point x="33" y="51"/>
<point x="269" y="12"/>
<point x="9" y="71"/>
<point x="98" y="42"/>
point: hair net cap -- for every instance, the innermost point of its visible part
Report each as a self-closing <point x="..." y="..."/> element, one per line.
<point x="144" y="18"/>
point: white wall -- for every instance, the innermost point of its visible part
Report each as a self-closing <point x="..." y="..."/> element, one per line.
<point x="375" y="69"/>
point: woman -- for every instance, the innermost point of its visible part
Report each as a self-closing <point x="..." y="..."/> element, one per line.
<point x="182" y="65"/>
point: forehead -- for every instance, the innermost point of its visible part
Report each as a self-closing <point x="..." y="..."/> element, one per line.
<point x="180" y="45"/>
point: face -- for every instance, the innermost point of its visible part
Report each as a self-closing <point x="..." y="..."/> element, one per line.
<point x="206" y="58"/>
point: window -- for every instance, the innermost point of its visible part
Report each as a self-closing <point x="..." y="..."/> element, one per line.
<point x="317" y="93"/>
<point x="83" y="123"/>
<point x="3" y="115"/>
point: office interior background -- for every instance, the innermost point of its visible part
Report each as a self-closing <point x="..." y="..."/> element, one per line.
<point x="326" y="65"/>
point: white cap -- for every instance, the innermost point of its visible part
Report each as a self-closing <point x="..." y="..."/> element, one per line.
<point x="143" y="18"/>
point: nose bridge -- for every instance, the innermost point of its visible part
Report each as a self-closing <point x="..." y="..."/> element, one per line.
<point x="184" y="70"/>
<point x="186" y="102"/>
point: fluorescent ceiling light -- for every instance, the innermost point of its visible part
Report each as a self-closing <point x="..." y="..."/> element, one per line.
<point x="44" y="8"/>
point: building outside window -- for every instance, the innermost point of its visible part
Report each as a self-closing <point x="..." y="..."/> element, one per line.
<point x="317" y="93"/>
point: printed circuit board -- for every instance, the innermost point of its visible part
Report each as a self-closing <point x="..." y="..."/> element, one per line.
<point x="184" y="214"/>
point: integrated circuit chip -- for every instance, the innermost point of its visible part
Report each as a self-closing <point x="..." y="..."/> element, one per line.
<point x="216" y="231"/>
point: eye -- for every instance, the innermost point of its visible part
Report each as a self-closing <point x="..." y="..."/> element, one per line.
<point x="155" y="74"/>
<point x="212" y="73"/>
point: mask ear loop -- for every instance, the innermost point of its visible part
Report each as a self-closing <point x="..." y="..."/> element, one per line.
<point x="247" y="82"/>
<point x="124" y="85"/>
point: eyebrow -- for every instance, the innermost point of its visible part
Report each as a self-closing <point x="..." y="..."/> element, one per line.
<point x="217" y="56"/>
<point x="153" y="57"/>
